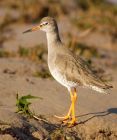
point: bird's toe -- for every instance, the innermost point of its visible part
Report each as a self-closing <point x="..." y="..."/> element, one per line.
<point x="64" y="118"/>
<point x="72" y="123"/>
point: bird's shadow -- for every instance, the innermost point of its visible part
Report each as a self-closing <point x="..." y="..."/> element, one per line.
<point x="98" y="114"/>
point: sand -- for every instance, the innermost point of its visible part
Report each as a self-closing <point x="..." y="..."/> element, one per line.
<point x="96" y="113"/>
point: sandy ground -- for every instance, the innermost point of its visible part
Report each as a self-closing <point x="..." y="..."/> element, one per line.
<point x="96" y="112"/>
<point x="14" y="80"/>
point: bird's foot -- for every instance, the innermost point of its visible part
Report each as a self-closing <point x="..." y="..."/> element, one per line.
<point x="64" y="118"/>
<point x="72" y="123"/>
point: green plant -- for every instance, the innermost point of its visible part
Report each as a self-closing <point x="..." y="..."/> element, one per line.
<point x="42" y="73"/>
<point x="83" y="4"/>
<point x="22" y="104"/>
<point x="23" y="51"/>
<point x="4" y="53"/>
<point x="34" y="53"/>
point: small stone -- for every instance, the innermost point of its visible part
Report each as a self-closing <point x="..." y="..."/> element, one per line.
<point x="6" y="137"/>
<point x="38" y="135"/>
<point x="70" y="138"/>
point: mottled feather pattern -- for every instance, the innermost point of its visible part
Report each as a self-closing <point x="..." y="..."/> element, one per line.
<point x="76" y="69"/>
<point x="65" y="67"/>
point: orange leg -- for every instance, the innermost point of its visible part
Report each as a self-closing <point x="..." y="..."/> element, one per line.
<point x="73" y="118"/>
<point x="71" y="112"/>
<point x="67" y="116"/>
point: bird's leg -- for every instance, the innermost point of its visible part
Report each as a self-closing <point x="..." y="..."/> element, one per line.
<point x="73" y="98"/>
<point x="69" y="112"/>
<point x="64" y="118"/>
<point x="68" y="116"/>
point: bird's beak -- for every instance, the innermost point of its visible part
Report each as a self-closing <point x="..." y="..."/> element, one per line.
<point x="32" y="29"/>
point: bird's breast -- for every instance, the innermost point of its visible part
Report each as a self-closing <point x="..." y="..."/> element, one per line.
<point x="62" y="79"/>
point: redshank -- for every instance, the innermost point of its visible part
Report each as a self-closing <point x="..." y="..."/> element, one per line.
<point x="69" y="70"/>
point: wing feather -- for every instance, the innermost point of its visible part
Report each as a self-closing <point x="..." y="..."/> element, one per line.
<point x="77" y="70"/>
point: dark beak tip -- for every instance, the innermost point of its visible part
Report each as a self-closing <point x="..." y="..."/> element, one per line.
<point x="27" y="31"/>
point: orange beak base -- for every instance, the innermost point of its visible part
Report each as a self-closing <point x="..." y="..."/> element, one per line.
<point x="33" y="29"/>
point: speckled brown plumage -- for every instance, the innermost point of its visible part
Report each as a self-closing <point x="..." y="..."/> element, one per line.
<point x="66" y="68"/>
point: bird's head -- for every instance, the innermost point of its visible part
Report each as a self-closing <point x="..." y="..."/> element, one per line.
<point x="47" y="24"/>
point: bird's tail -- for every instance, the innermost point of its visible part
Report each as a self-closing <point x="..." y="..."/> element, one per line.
<point x="102" y="89"/>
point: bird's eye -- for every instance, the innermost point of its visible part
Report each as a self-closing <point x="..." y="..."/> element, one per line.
<point x="45" y="23"/>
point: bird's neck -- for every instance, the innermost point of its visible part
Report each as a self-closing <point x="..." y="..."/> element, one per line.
<point x="53" y="39"/>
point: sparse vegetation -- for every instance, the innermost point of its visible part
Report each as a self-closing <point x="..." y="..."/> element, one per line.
<point x="43" y="74"/>
<point x="23" y="52"/>
<point x="97" y="15"/>
<point x="4" y="53"/>
<point x="84" y="50"/>
<point x="23" y="104"/>
<point x="35" y="53"/>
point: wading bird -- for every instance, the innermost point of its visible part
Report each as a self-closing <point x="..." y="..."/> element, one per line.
<point x="66" y="68"/>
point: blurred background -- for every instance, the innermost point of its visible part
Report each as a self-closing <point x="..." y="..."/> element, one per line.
<point x="87" y="27"/>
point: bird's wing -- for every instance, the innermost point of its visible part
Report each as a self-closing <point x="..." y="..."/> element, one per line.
<point x="77" y="70"/>
<point x="67" y="66"/>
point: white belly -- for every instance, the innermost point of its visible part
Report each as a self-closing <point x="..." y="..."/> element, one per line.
<point x="62" y="79"/>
